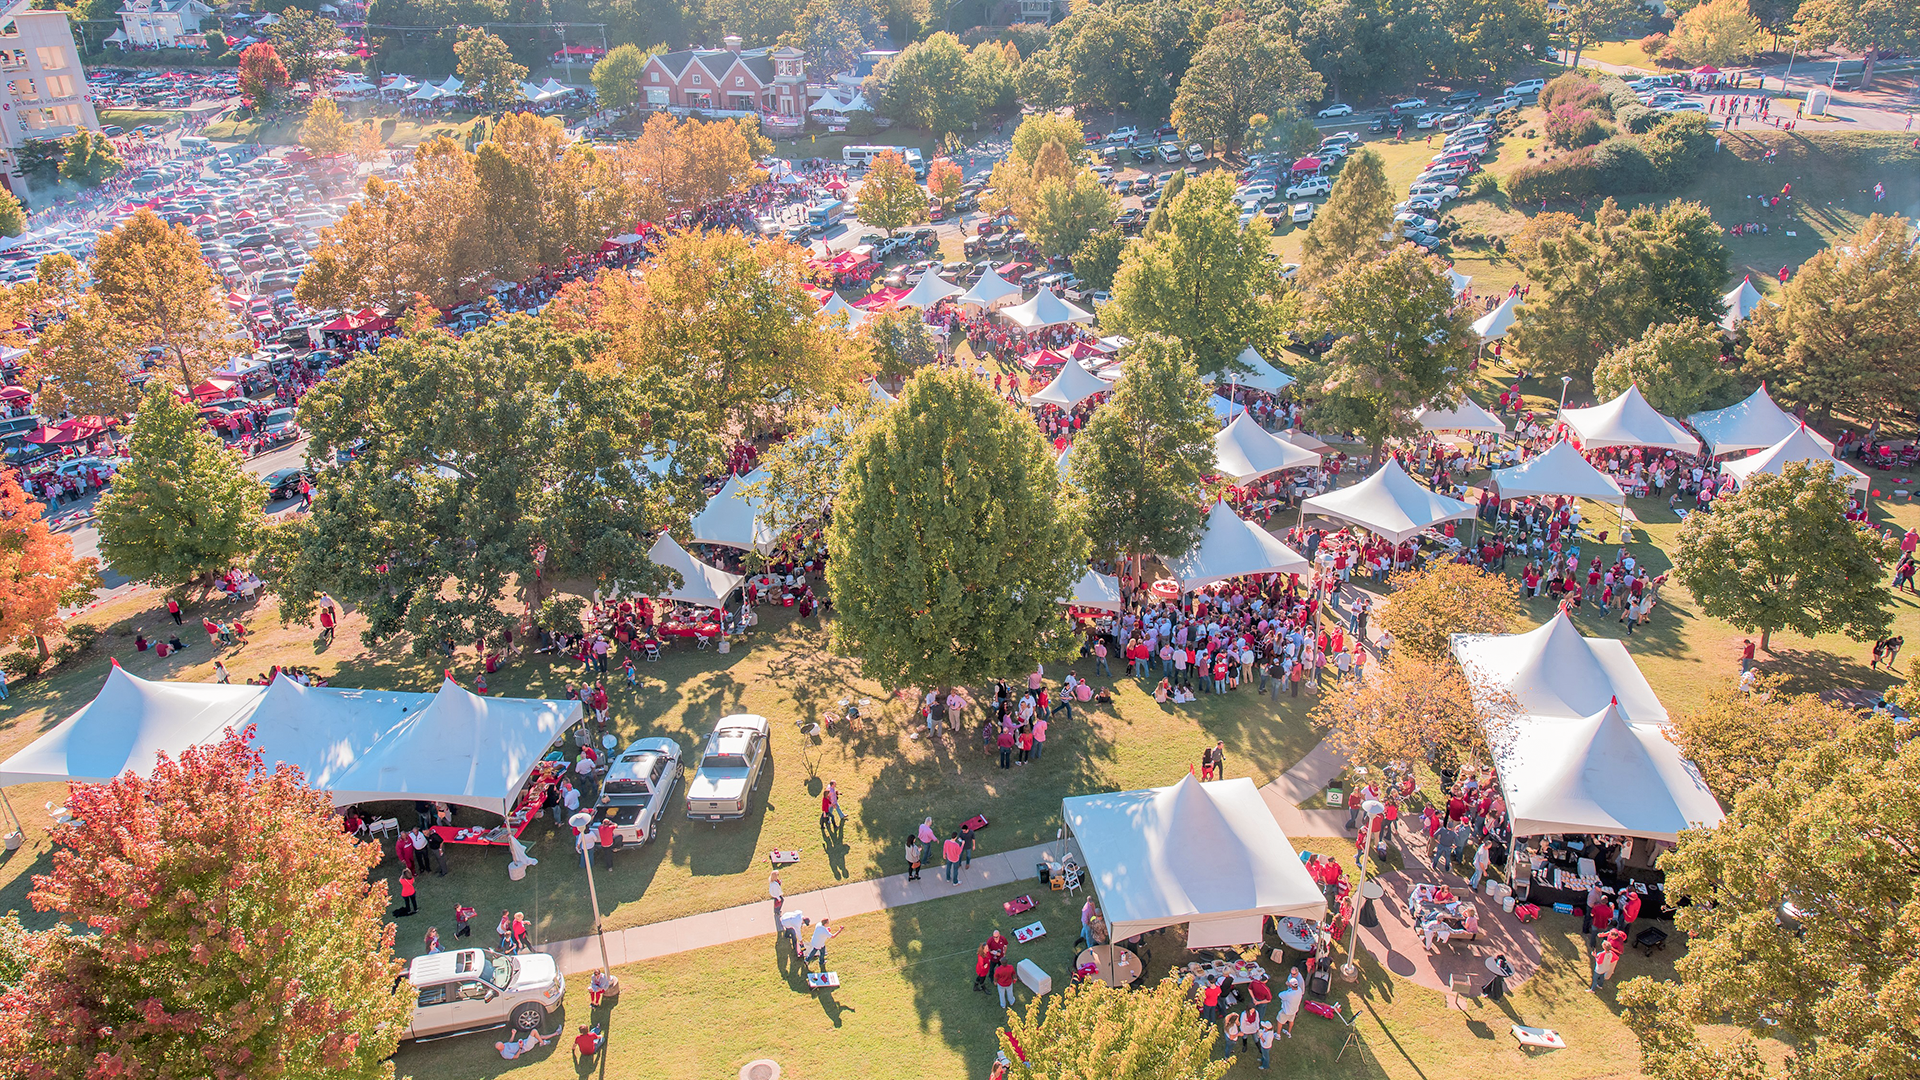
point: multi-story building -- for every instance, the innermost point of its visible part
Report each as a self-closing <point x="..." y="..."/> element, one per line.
<point x="161" y="23"/>
<point x="43" y="89"/>
<point x="771" y="82"/>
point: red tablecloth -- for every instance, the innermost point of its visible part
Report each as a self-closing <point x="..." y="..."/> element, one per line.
<point x="545" y="776"/>
<point x="702" y="630"/>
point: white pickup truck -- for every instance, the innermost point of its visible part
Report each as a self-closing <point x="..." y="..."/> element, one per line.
<point x="476" y="989"/>
<point x="638" y="790"/>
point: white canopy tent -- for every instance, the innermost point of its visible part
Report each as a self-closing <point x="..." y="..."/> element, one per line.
<point x="1559" y="471"/>
<point x="127" y="725"/>
<point x="1096" y="590"/>
<point x="1458" y="280"/>
<point x="1230" y="546"/>
<point x="928" y="291"/>
<point x="400" y="84"/>
<point x="1060" y="462"/>
<point x="1207" y="855"/>
<point x="1260" y="374"/>
<point x="879" y="393"/>
<point x="1223" y="408"/>
<point x="453" y="85"/>
<point x="991" y="292"/>
<point x="1600" y="774"/>
<point x="1553" y="671"/>
<point x="1302" y="440"/>
<point x="1044" y="310"/>
<point x="1738" y="304"/>
<point x="706" y="586"/>
<point x="1753" y="424"/>
<point x="529" y="91"/>
<point x="1389" y="503"/>
<point x="1628" y="421"/>
<point x="732" y="518"/>
<point x="837" y="306"/>
<point x="427" y="92"/>
<point x="1494" y="324"/>
<point x="553" y="88"/>
<point x="1466" y="416"/>
<point x="353" y="84"/>
<point x="1073" y="385"/>
<point x="325" y="731"/>
<point x="1799" y="446"/>
<point x="1243" y="450"/>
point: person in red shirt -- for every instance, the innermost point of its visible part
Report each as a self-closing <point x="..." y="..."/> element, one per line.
<point x="1003" y="977"/>
<point x="1629" y="909"/>
<point x="982" y="969"/>
<point x="1261" y="994"/>
<point x="1602" y="918"/>
<point x="1746" y="655"/>
<point x="588" y="1042"/>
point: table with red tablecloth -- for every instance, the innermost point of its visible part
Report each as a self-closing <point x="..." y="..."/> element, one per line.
<point x="532" y="797"/>
<point x="688" y="630"/>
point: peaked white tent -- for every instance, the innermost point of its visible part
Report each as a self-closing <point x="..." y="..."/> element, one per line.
<point x="1207" y="855"/>
<point x="928" y="291"/>
<point x="1494" y="324"/>
<point x="991" y="291"/>
<point x="400" y="84"/>
<point x="127" y="726"/>
<point x="1628" y="421"/>
<point x="326" y="730"/>
<point x="1389" y="503"/>
<point x="352" y="84"/>
<point x="1261" y="375"/>
<point x="879" y="393"/>
<point x="427" y="92"/>
<point x="1753" y="424"/>
<point x="554" y="88"/>
<point x="837" y="306"/>
<point x="1738" y="304"/>
<point x="1073" y="385"/>
<point x="1559" y="471"/>
<point x="733" y="516"/>
<point x="1553" y="671"/>
<point x="707" y="586"/>
<point x="1244" y="450"/>
<point x="1466" y="416"/>
<point x="1799" y="446"/>
<point x="1231" y="546"/>
<point x="529" y="91"/>
<point x="1044" y="310"/>
<point x="1223" y="409"/>
<point x="1302" y="440"/>
<point x="462" y="749"/>
<point x="1600" y="774"/>
<point x="453" y="85"/>
<point x="1096" y="590"/>
<point x="1458" y="280"/>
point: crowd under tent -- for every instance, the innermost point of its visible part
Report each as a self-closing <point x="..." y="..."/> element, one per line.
<point x="1230" y="546"/>
<point x="1738" y="304"/>
<point x="1466" y="416"/>
<point x="1555" y="671"/>
<point x="991" y="292"/>
<point x="1799" y="446"/>
<point x="734" y="516"/>
<point x="1600" y="774"/>
<point x="1210" y="856"/>
<point x="1628" y="420"/>
<point x="928" y="291"/>
<point x="1561" y="470"/>
<point x="1494" y="324"/>
<point x="1389" y="504"/>
<point x="1259" y="374"/>
<point x="1096" y="590"/>
<point x="1753" y="424"/>
<point x="700" y="585"/>
<point x="1044" y="310"/>
<point x="1073" y="385"/>
<point x="1244" y="451"/>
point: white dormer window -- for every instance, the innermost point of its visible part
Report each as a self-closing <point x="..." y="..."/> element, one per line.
<point x="656" y="76"/>
<point x="739" y="80"/>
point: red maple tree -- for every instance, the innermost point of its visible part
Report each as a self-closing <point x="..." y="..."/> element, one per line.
<point x="38" y="571"/>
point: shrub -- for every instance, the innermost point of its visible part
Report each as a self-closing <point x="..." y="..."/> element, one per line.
<point x="1571" y="126"/>
<point x="1638" y="119"/>
<point x="1568" y="176"/>
<point x="1622" y="166"/>
<point x="1678" y="146"/>
<point x="1653" y="44"/>
<point x="21" y="664"/>
<point x="1570" y="89"/>
<point x="123" y="628"/>
<point x="1483" y="184"/>
<point x="79" y="642"/>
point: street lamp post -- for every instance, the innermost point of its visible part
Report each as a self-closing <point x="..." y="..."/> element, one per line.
<point x="1565" y="381"/>
<point x="581" y="822"/>
<point x="1368" y="890"/>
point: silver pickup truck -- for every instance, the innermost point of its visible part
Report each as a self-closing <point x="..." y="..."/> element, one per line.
<point x="638" y="789"/>
<point x="729" y="769"/>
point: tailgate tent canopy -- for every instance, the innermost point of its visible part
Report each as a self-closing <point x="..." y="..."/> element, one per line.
<point x="928" y="291"/>
<point x="1628" y="421"/>
<point x="1559" y="471"/>
<point x="327" y="730"/>
<point x="733" y="516"/>
<point x="1739" y="304"/>
<point x="1073" y="385"/>
<point x="1096" y="590"/>
<point x="1799" y="446"/>
<point x="1259" y="374"/>
<point x="1390" y="504"/>
<point x="1207" y="855"/>
<point x="1466" y="416"/>
<point x="1243" y="451"/>
<point x="1494" y="324"/>
<point x="1233" y="547"/>
<point x="1044" y="310"/>
<point x="127" y="726"/>
<point x="1601" y="774"/>
<point x="1552" y="671"/>
<point x="991" y="291"/>
<point x="1754" y="424"/>
<point x="707" y="586"/>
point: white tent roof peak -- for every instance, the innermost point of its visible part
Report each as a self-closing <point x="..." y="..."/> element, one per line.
<point x="1096" y="590"/>
<point x="928" y="291"/>
<point x="1458" y="280"/>
<point x="1466" y="416"/>
<point x="1494" y="324"/>
<point x="1044" y="310"/>
<point x="733" y="517"/>
<point x="1389" y="503"/>
<point x="1560" y="470"/>
<point x="1074" y="384"/>
<point x="1260" y="374"/>
<point x="1801" y="445"/>
<point x="990" y="291"/>
<point x="1554" y="671"/>
<point x="1753" y="424"/>
<point x="1061" y="464"/>
<point x="1739" y="303"/>
<point x="836" y="306"/>
<point x="1231" y="546"/>
<point x="127" y="726"/>
<point x="1628" y="420"/>
<point x="1243" y="450"/>
<point x="1600" y="774"/>
<point x="706" y="586"/>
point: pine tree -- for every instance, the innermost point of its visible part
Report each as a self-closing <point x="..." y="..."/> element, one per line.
<point x="1358" y="212"/>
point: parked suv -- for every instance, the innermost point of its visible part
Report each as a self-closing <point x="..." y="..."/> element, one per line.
<point x="729" y="769"/>
<point x="476" y="989"/>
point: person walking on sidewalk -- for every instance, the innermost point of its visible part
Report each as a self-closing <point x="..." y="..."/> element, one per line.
<point x="778" y="895"/>
<point x="915" y="852"/>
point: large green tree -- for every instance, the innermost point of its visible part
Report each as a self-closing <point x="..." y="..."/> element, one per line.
<point x="491" y="463"/>
<point x="1804" y="922"/>
<point x="1779" y="554"/>
<point x="1139" y="462"/>
<point x="890" y="198"/>
<point x="184" y="509"/>
<point x="1600" y="286"/>
<point x="1583" y="22"/>
<point x="307" y="42"/>
<point x="926" y="86"/>
<point x="1842" y="336"/>
<point x="952" y="540"/>
<point x="1358" y="212"/>
<point x="488" y="70"/>
<point x="1239" y="73"/>
<point x="616" y="76"/>
<point x="232" y="930"/>
<point x="1868" y="27"/>
<point x="91" y="159"/>
<point x="1090" y="1030"/>
<point x="1676" y="365"/>
<point x="1202" y="280"/>
<point x="1738" y="736"/>
<point x="1402" y="344"/>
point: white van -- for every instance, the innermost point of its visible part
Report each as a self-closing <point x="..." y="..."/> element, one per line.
<point x="862" y="156"/>
<point x="1525" y="88"/>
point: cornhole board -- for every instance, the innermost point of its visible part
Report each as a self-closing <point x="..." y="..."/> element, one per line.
<point x="976" y="822"/>
<point x="823" y="980"/>
<point x="1546" y="1038"/>
<point x="1019" y="904"/>
<point x="1029" y="932"/>
<point x="783" y="858"/>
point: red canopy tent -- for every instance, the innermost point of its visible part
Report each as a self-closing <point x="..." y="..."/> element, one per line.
<point x="1044" y="358"/>
<point x="15" y="393"/>
<point x="1706" y="69"/>
<point x="880" y="298"/>
<point x="1307" y="164"/>
<point x="1084" y="349"/>
<point x="63" y="432"/>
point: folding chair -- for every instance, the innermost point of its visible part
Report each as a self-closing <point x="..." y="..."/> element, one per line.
<point x="653" y="652"/>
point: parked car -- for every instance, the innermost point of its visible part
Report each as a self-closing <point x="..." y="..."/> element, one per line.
<point x="1525" y="88"/>
<point x="1169" y="152"/>
<point x="1143" y="153"/>
<point x="1463" y="97"/>
<point x="1310" y="187"/>
<point x="1426" y="241"/>
<point x="285" y="483"/>
<point x="279" y="426"/>
<point x="477" y="989"/>
<point x="1415" y="222"/>
<point x="1684" y="106"/>
<point x="1410" y="103"/>
<point x="1302" y="213"/>
<point x="729" y="768"/>
<point x="1196" y="153"/>
<point x="1336" y="109"/>
<point x="1275" y="213"/>
<point x="1425" y="121"/>
<point x="1427" y="203"/>
<point x="1122" y="134"/>
<point x="1350" y="139"/>
<point x="638" y="788"/>
<point x="1499" y="105"/>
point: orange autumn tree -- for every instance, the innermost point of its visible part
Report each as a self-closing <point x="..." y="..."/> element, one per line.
<point x="39" y="574"/>
<point x="232" y="932"/>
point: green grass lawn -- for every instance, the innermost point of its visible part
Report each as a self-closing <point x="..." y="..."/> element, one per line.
<point x="284" y="130"/>
<point x="133" y="118"/>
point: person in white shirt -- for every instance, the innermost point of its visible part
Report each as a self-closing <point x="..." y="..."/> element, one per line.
<point x="1266" y="1044"/>
<point x="817" y="945"/>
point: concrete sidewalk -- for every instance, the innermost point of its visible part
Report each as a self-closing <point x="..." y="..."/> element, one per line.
<point x="1307" y="779"/>
<point x="582" y="954"/>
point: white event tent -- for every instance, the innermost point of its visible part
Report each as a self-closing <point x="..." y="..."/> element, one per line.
<point x="837" y="306"/>
<point x="991" y="291"/>
<point x="1208" y="855"/>
<point x="1096" y="590"/>
<point x="928" y="291"/>
<point x="1600" y="774"/>
<point x="1259" y="374"/>
<point x="1061" y="462"/>
<point x="732" y="518"/>
<point x="1389" y="503"/>
<point x="126" y="726"/>
<point x="1559" y="471"/>
<point x="1799" y="446"/>
<point x="1739" y="304"/>
<point x="1044" y="310"/>
<point x="1458" y="280"/>
<point x="1243" y="451"/>
<point x="1753" y="424"/>
<point x="1223" y="408"/>
<point x="1495" y="324"/>
<point x="1073" y="385"/>
<point x="1466" y="416"/>
<point x="1554" y="671"/>
<point x="706" y="586"/>
<point x="1628" y="421"/>
<point x="1302" y="440"/>
<point x="1231" y="546"/>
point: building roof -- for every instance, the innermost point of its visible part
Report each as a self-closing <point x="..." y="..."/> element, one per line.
<point x="716" y="62"/>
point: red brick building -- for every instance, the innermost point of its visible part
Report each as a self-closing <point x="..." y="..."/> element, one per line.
<point x="770" y="81"/>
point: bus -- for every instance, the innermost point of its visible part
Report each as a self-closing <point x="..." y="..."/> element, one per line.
<point x="824" y="216"/>
<point x="863" y="156"/>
